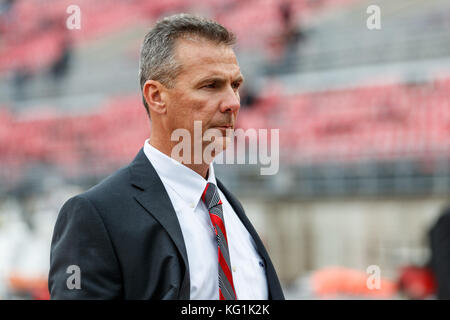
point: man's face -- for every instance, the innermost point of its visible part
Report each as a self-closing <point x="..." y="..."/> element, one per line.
<point x="206" y="90"/>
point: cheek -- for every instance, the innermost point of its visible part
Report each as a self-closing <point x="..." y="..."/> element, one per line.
<point x="192" y="107"/>
<point x="200" y="110"/>
<point x="182" y="118"/>
<point x="180" y="112"/>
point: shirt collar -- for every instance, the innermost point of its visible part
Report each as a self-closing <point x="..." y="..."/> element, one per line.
<point x="187" y="183"/>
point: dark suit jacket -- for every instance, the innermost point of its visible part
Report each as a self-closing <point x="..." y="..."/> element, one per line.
<point x="124" y="236"/>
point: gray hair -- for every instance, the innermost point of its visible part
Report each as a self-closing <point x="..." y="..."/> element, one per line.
<point x="157" y="60"/>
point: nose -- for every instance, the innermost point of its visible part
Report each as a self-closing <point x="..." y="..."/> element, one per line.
<point x="231" y="101"/>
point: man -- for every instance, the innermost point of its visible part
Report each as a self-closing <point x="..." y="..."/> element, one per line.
<point x="165" y="227"/>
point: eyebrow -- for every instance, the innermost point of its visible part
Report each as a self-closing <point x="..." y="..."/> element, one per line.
<point x="239" y="78"/>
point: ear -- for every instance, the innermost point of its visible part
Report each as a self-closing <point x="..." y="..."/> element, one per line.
<point x="153" y="92"/>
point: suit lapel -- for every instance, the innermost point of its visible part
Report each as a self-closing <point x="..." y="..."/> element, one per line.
<point x="243" y="217"/>
<point x="154" y="198"/>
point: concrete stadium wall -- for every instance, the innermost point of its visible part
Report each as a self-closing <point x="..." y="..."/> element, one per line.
<point x="305" y="235"/>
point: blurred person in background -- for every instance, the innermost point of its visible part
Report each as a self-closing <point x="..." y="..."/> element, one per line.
<point x="286" y="43"/>
<point x="161" y="228"/>
<point x="291" y="36"/>
<point x="433" y="278"/>
<point x="439" y="264"/>
<point x="60" y="67"/>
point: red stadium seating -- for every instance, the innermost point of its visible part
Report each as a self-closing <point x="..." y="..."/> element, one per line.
<point x="379" y="122"/>
<point x="32" y="32"/>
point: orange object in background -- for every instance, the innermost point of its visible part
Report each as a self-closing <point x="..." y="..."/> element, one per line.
<point x="37" y="287"/>
<point x="335" y="281"/>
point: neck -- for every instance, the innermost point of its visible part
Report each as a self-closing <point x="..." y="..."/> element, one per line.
<point x="201" y="169"/>
<point x="167" y="147"/>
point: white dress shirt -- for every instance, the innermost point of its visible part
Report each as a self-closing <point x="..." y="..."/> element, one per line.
<point x="185" y="187"/>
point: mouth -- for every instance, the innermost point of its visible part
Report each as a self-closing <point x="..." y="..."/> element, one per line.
<point x="224" y="126"/>
<point x="225" y="129"/>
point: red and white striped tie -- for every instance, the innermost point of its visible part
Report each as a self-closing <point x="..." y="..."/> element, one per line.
<point x="214" y="204"/>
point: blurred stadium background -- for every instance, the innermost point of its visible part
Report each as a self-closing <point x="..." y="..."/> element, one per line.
<point x="364" y="119"/>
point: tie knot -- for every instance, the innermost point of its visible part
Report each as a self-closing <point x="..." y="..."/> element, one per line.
<point x="210" y="196"/>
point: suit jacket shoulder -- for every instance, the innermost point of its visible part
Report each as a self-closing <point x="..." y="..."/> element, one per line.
<point x="112" y="233"/>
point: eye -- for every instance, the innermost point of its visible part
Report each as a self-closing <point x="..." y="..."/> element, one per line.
<point x="236" y="85"/>
<point x="211" y="85"/>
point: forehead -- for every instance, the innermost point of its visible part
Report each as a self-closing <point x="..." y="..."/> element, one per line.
<point x="200" y="57"/>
